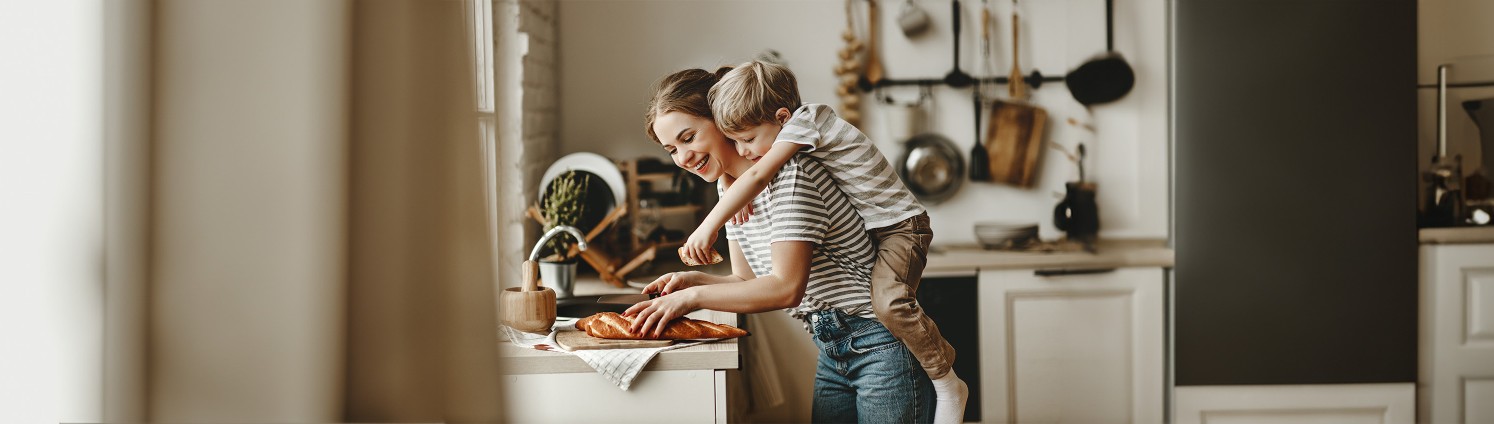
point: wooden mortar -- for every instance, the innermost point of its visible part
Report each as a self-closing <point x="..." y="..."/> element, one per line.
<point x="528" y="308"/>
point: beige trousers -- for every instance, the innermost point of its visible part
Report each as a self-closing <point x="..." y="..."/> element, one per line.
<point x="902" y="252"/>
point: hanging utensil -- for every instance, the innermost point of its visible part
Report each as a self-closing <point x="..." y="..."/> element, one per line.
<point x="957" y="78"/>
<point x="1106" y="77"/>
<point x="980" y="168"/>
<point x="873" y="74"/>
<point x="1015" y="132"/>
<point x="932" y="167"/>
<point x="912" y="19"/>
<point x="1015" y="86"/>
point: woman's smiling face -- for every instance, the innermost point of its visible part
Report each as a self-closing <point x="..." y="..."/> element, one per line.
<point x="695" y="144"/>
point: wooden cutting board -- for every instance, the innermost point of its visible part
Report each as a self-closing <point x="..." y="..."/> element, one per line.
<point x="1014" y="141"/>
<point x="579" y="340"/>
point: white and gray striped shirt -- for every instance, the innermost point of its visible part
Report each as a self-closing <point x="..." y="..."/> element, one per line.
<point x="802" y="203"/>
<point x="861" y="170"/>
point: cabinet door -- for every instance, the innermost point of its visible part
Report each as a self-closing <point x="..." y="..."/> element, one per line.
<point x="1072" y="348"/>
<point x="1457" y="333"/>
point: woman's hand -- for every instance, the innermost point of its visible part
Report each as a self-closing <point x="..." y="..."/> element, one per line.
<point x="673" y="282"/>
<point x="650" y="317"/>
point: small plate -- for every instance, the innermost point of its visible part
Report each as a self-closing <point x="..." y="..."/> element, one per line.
<point x="589" y="162"/>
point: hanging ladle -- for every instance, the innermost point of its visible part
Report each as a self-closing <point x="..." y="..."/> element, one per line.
<point x="957" y="78"/>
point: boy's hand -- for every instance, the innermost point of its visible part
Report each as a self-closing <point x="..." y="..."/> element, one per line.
<point x="742" y="215"/>
<point x="698" y="246"/>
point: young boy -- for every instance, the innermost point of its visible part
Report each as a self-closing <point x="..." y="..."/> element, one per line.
<point x="757" y="105"/>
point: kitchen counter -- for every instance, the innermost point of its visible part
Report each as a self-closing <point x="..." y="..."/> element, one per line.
<point x="948" y="260"/>
<point x="707" y="356"/>
<point x="1457" y="235"/>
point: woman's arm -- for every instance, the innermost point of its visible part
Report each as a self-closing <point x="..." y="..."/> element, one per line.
<point x="784" y="288"/>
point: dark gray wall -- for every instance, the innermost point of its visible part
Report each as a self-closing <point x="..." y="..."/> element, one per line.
<point x="1295" y="191"/>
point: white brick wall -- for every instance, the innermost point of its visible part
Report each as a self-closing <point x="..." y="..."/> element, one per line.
<point x="528" y="119"/>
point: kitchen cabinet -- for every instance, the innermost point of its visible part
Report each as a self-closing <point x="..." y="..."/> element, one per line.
<point x="1456" y="376"/>
<point x="677" y="396"/>
<point x="1074" y="345"/>
<point x="695" y="384"/>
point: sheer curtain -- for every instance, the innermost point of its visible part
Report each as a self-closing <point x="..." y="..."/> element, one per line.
<point x="297" y="226"/>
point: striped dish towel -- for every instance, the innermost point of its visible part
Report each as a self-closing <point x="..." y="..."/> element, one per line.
<point x="620" y="366"/>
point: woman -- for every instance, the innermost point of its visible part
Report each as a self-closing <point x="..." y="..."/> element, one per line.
<point x="804" y="249"/>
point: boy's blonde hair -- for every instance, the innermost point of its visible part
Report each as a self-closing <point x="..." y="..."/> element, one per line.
<point x="748" y="95"/>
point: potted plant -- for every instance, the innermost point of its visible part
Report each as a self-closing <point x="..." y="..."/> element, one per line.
<point x="564" y="204"/>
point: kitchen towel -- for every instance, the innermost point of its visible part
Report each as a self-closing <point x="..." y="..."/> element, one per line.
<point x="620" y="366"/>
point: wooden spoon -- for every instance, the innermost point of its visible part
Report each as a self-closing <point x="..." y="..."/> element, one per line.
<point x="1016" y="87"/>
<point x="873" y="62"/>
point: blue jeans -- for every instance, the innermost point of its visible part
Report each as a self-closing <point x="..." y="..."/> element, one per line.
<point x="865" y="374"/>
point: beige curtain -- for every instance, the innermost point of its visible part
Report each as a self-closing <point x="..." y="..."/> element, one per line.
<point x="295" y="214"/>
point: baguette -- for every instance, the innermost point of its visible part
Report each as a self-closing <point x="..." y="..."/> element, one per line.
<point x="611" y="325"/>
<point x="715" y="258"/>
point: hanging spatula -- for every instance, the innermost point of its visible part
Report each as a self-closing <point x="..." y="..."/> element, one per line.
<point x="980" y="167"/>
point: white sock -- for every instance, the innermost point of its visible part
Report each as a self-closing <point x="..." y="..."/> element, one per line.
<point x="949" y="399"/>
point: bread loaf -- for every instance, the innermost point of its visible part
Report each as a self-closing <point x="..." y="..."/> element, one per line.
<point x="611" y="325"/>
<point x="715" y="258"/>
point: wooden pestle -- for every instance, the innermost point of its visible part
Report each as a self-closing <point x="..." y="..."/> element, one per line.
<point x="531" y="276"/>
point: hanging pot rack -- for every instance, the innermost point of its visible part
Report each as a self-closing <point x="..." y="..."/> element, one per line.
<point x="957" y="78"/>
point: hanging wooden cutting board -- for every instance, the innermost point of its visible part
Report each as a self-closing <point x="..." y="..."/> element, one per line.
<point x="1014" y="142"/>
<point x="579" y="340"/>
<point x="1014" y="137"/>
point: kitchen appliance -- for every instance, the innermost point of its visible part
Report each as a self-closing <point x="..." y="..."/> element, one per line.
<point x="1477" y="190"/>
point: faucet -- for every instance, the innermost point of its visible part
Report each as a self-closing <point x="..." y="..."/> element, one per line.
<point x="575" y="233"/>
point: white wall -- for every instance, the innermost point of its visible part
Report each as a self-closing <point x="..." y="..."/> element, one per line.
<point x="51" y="195"/>
<point x="611" y="52"/>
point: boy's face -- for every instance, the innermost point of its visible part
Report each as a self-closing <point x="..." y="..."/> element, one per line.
<point x="753" y="143"/>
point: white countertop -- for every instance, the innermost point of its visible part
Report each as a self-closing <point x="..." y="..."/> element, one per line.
<point x="966" y="260"/>
<point x="1457" y="235"/>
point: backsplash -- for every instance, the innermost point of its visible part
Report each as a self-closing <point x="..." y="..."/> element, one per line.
<point x="605" y="77"/>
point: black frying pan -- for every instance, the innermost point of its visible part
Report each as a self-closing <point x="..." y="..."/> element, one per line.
<point x="1106" y="77"/>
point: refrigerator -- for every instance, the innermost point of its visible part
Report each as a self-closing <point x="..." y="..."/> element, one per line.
<point x="1294" y="192"/>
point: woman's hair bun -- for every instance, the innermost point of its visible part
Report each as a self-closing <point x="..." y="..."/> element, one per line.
<point x="721" y="72"/>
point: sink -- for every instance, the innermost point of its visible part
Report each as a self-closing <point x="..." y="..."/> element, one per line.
<point x="584" y="306"/>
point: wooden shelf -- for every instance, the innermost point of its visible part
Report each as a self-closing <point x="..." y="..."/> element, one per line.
<point x="660" y="182"/>
<point x="656" y="176"/>
<point x="667" y="210"/>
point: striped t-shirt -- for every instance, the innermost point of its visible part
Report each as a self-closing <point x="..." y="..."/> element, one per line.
<point x="802" y="203"/>
<point x="854" y="162"/>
